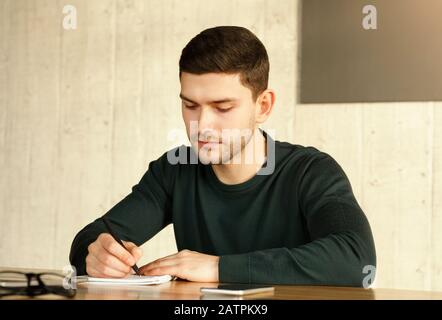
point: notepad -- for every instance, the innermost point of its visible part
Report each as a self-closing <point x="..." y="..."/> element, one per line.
<point x="129" y="280"/>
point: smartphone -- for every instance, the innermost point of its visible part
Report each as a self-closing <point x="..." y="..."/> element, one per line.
<point x="238" y="289"/>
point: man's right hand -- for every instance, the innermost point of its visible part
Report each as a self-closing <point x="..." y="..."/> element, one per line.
<point x="108" y="259"/>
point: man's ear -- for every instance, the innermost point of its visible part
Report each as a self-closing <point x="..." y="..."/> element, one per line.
<point x="264" y="105"/>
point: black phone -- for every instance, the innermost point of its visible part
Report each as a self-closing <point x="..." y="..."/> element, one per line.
<point x="238" y="289"/>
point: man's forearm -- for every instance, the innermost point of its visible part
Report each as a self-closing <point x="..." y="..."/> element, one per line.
<point x="335" y="260"/>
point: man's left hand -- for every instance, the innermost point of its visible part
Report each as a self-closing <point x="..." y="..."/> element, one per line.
<point x="187" y="265"/>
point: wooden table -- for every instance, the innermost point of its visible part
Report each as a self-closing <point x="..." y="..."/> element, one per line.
<point x="184" y="290"/>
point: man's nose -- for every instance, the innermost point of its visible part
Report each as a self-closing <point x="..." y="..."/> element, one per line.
<point x="206" y="118"/>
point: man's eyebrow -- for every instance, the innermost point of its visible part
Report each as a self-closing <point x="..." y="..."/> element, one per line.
<point x="210" y="102"/>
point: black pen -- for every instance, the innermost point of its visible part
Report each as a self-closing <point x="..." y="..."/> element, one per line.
<point x="108" y="226"/>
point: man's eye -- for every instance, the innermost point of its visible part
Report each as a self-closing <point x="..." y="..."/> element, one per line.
<point x="190" y="106"/>
<point x="223" y="109"/>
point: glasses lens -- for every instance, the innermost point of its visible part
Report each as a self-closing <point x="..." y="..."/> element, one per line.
<point x="13" y="280"/>
<point x="57" y="284"/>
<point x="52" y="279"/>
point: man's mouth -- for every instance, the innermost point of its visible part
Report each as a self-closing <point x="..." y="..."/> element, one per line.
<point x="206" y="143"/>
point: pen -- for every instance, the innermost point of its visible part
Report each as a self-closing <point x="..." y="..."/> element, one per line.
<point x="108" y="227"/>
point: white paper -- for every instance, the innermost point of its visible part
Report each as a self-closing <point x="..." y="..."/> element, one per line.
<point x="129" y="280"/>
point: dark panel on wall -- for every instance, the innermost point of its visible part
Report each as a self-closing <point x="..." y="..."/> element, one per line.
<point x="401" y="60"/>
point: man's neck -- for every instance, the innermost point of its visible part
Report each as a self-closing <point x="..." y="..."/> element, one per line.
<point x="239" y="170"/>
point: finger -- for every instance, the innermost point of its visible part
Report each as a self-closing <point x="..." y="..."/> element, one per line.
<point x="172" y="270"/>
<point x="181" y="254"/>
<point x="114" y="248"/>
<point x="159" y="264"/>
<point x="176" y="258"/>
<point x="97" y="250"/>
<point x="134" y="250"/>
<point x="105" y="270"/>
<point x="169" y="257"/>
<point x="109" y="260"/>
<point x="91" y="271"/>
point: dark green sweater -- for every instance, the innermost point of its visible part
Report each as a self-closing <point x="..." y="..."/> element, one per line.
<point x="299" y="225"/>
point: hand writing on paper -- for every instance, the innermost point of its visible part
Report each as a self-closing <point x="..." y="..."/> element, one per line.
<point x="108" y="259"/>
<point x="187" y="265"/>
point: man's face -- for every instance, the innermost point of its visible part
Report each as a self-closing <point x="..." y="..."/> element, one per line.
<point x="219" y="114"/>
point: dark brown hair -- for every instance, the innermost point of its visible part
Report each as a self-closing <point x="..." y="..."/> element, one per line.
<point x="228" y="49"/>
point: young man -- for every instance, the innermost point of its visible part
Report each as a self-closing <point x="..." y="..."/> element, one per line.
<point x="248" y="208"/>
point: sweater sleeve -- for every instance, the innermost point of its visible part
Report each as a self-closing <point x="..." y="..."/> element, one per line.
<point x="341" y="239"/>
<point x="138" y="217"/>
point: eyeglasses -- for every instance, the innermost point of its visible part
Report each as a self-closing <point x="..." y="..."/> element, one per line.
<point x="34" y="284"/>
